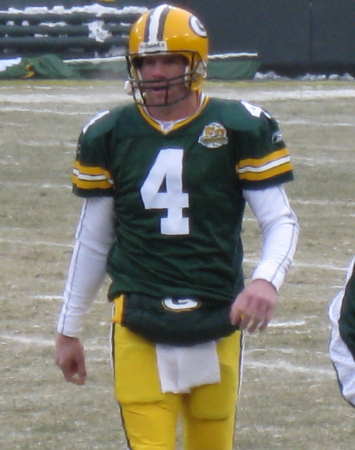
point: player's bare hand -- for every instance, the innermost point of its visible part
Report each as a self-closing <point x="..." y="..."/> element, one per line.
<point x="254" y="306"/>
<point x="69" y="356"/>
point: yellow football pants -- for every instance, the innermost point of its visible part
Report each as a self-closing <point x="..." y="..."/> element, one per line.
<point x="150" y="418"/>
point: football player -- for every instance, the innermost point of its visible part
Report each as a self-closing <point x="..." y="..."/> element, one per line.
<point x="342" y="340"/>
<point x="165" y="180"/>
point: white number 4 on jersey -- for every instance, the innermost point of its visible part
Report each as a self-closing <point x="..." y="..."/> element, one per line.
<point x="167" y="167"/>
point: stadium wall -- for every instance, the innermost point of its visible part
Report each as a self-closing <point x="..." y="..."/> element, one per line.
<point x="289" y="36"/>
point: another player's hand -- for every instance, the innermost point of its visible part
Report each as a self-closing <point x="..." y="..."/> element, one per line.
<point x="254" y="306"/>
<point x="69" y="356"/>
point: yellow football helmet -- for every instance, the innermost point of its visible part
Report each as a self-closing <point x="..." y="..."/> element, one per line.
<point x="167" y="30"/>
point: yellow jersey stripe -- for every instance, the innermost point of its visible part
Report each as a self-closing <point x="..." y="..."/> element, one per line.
<point x="257" y="169"/>
<point x="266" y="174"/>
<point x="255" y="163"/>
<point x="85" y="177"/>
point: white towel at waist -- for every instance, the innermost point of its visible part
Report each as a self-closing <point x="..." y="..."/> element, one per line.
<point x="183" y="368"/>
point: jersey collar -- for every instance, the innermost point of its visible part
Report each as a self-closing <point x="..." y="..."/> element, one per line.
<point x="166" y="127"/>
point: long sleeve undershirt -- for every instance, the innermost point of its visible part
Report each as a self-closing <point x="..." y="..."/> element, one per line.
<point x="95" y="235"/>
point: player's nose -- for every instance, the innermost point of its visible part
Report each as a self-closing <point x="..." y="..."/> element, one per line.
<point x="158" y="70"/>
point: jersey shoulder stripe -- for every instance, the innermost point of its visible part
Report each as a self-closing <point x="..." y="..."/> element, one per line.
<point x="263" y="158"/>
<point x="91" y="175"/>
<point x="257" y="169"/>
<point x="87" y="179"/>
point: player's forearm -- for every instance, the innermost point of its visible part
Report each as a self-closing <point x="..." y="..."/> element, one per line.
<point x="280" y="229"/>
<point x="86" y="274"/>
<point x="277" y="254"/>
<point x="87" y="268"/>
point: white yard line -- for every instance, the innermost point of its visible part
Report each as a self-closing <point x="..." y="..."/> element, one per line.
<point x="298" y="263"/>
<point x="278" y="365"/>
<point x="284" y="366"/>
<point x="300" y="94"/>
<point x="44" y="111"/>
<point x="63" y="99"/>
<point x="32" y="243"/>
<point x="312" y="123"/>
<point x="36" y="185"/>
<point x="6" y="339"/>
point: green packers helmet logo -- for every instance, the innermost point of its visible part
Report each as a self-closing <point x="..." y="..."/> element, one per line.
<point x="180" y="304"/>
<point x="197" y="27"/>
<point x="214" y="135"/>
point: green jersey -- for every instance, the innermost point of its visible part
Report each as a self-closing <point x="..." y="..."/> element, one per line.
<point x="178" y="193"/>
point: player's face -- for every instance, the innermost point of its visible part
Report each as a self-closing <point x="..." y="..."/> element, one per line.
<point x="164" y="78"/>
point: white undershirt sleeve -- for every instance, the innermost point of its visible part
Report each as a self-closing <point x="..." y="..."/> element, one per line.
<point x="280" y="230"/>
<point x="87" y="270"/>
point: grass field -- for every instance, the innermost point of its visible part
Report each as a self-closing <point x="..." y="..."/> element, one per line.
<point x="290" y="398"/>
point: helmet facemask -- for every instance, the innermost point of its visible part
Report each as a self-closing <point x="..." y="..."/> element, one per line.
<point x="195" y="72"/>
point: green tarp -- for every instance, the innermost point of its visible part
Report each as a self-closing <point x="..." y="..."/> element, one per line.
<point x="46" y="66"/>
